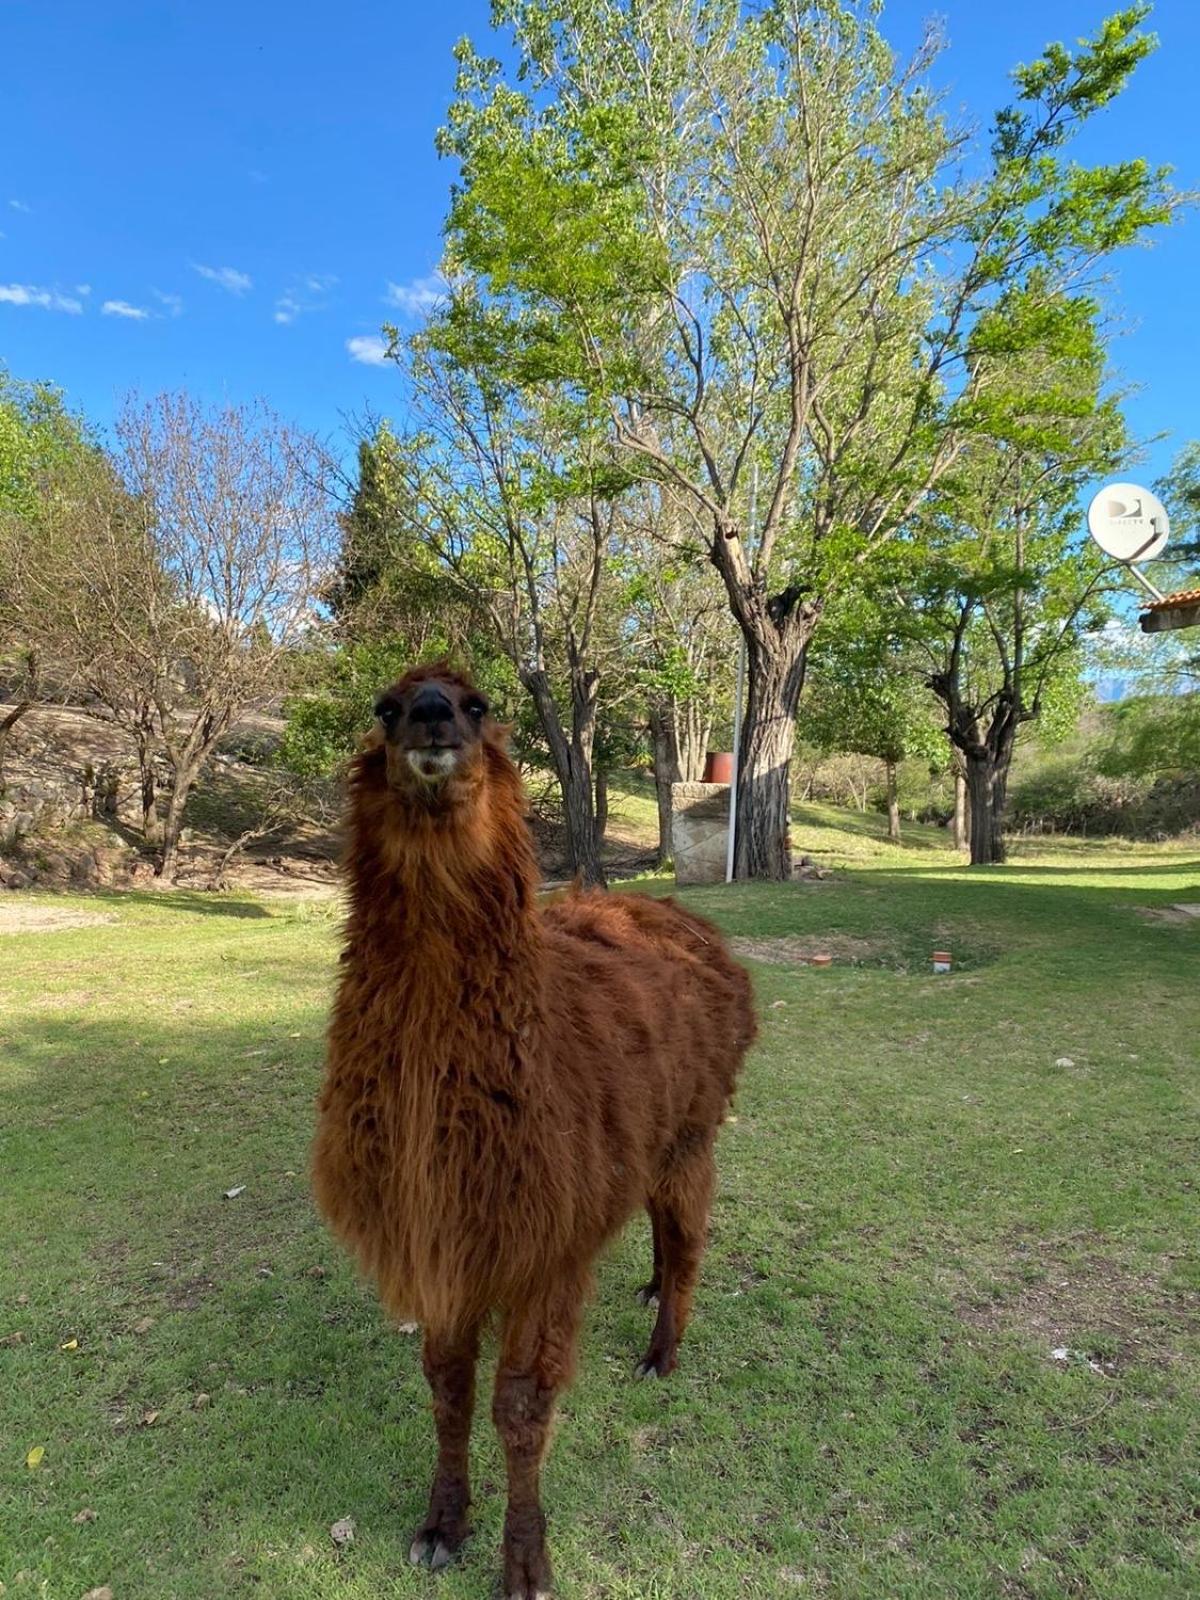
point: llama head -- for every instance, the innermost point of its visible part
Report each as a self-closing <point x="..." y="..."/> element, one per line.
<point x="433" y="739"/>
<point x="434" y="797"/>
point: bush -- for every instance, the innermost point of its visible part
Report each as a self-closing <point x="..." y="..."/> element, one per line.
<point x="1072" y="797"/>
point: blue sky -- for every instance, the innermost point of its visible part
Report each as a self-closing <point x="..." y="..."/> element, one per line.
<point x="253" y="177"/>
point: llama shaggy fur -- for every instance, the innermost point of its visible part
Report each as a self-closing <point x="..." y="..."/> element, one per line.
<point x="507" y="1084"/>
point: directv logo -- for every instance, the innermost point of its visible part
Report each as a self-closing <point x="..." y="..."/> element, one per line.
<point x="1122" y="511"/>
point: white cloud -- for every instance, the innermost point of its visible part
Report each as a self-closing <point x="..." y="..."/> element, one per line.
<point x="19" y="205"/>
<point x="298" y="297"/>
<point x="368" y="348"/>
<point x="418" y="298"/>
<point x="171" y="303"/>
<point x="83" y="288"/>
<point x="228" y="278"/>
<point x="25" y="294"/>
<point x="122" y="308"/>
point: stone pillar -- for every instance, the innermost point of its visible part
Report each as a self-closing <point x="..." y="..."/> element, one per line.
<point x="699" y="831"/>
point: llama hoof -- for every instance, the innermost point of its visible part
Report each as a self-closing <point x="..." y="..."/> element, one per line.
<point x="652" y="1366"/>
<point x="527" y="1576"/>
<point x="433" y="1550"/>
<point x="647" y="1295"/>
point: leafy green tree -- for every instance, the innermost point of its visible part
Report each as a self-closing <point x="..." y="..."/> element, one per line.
<point x="44" y="449"/>
<point x="1179" y="491"/>
<point x="387" y="582"/>
<point x="749" y="237"/>
<point x="1003" y="586"/>
<point x="390" y="605"/>
<point x="868" y="697"/>
<point x="685" y="642"/>
<point x="1153" y="736"/>
<point x="516" y="498"/>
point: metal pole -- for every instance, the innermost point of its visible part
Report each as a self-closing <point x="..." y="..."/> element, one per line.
<point x="1144" y="581"/>
<point x="731" y="846"/>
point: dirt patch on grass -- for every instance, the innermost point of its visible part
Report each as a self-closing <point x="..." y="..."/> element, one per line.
<point x="26" y="918"/>
<point x="1078" y="1305"/>
<point x="1179" y="916"/>
<point x="796" y="951"/>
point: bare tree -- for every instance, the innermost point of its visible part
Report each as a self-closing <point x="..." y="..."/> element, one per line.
<point x="197" y="561"/>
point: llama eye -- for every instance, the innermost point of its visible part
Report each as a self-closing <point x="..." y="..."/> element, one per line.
<point x="387" y="711"/>
<point x="476" y="710"/>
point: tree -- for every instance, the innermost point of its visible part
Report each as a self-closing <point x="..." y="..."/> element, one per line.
<point x="868" y="697"/>
<point x="515" y="495"/>
<point x="42" y="447"/>
<point x="749" y="236"/>
<point x="1004" y="585"/>
<point x="685" y="641"/>
<point x="198" y="555"/>
<point x="1179" y="491"/>
<point x="390" y="605"/>
<point x="387" y="582"/>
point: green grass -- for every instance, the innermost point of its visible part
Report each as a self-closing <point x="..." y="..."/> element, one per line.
<point x="918" y="1201"/>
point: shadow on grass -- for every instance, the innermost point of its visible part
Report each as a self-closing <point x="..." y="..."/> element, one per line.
<point x="870" y="826"/>
<point x="181" y="900"/>
<point x="1016" y="868"/>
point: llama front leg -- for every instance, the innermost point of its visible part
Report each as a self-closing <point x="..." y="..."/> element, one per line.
<point x="449" y="1362"/>
<point x="537" y="1358"/>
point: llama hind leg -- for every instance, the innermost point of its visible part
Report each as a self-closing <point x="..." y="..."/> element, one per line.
<point x="449" y="1362"/>
<point x="649" y="1292"/>
<point x="682" y="1203"/>
<point x="537" y="1358"/>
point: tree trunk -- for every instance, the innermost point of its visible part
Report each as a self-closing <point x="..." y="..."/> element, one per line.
<point x="987" y="788"/>
<point x="7" y="723"/>
<point x="601" y="821"/>
<point x="667" y="770"/>
<point x="579" y="814"/>
<point x="152" y="830"/>
<point x="960" y="811"/>
<point x="775" y="679"/>
<point x="172" y="825"/>
<point x="893" y="805"/>
<point x="573" y="767"/>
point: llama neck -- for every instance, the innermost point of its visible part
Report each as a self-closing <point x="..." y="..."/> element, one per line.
<point x="443" y="919"/>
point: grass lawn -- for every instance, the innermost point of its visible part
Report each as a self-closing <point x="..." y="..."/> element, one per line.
<point x="932" y="1184"/>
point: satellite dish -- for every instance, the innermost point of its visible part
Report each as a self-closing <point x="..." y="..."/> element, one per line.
<point x="1128" y="522"/>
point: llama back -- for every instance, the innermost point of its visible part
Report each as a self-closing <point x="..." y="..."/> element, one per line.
<point x="623" y="922"/>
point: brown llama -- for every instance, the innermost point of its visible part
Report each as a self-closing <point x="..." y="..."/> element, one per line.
<point x="506" y="1086"/>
